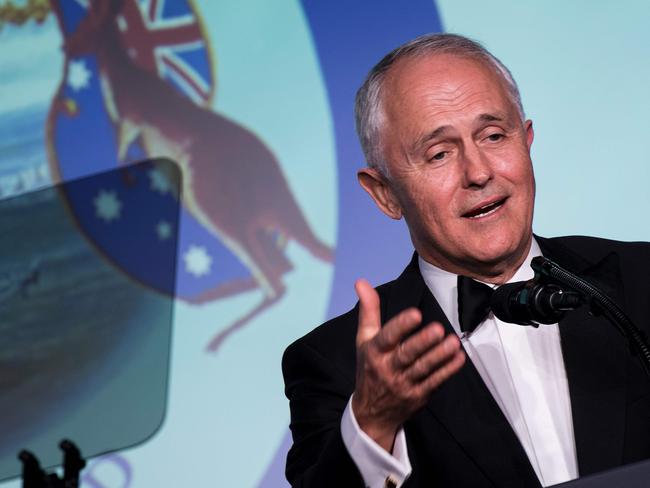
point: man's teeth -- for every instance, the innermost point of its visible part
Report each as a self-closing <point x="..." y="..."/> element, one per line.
<point x="487" y="210"/>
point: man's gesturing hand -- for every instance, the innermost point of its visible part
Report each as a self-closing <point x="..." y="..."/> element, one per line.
<point x="395" y="376"/>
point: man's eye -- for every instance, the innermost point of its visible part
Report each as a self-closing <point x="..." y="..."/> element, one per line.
<point x="495" y="137"/>
<point x="439" y="156"/>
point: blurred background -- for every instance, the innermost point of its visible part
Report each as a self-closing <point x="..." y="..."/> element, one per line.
<point x="253" y="99"/>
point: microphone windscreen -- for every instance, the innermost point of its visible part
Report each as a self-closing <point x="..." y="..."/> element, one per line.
<point x="504" y="303"/>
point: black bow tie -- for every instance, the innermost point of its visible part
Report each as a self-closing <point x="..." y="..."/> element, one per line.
<point x="473" y="303"/>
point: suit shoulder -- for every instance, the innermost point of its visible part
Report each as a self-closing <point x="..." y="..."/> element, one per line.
<point x="597" y="247"/>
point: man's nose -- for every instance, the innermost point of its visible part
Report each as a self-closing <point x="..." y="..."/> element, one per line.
<point x="476" y="167"/>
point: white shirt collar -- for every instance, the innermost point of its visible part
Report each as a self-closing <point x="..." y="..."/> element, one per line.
<point x="444" y="285"/>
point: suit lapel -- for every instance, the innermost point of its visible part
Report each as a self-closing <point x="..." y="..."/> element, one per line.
<point x="463" y="404"/>
<point x="595" y="359"/>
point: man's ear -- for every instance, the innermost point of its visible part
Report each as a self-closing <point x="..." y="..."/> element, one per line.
<point x="530" y="133"/>
<point x="379" y="189"/>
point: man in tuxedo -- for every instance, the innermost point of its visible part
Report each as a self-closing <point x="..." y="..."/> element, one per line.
<point x="386" y="395"/>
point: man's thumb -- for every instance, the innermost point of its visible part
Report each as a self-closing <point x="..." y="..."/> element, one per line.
<point x="369" y="314"/>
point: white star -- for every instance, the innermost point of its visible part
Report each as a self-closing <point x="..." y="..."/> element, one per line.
<point x="197" y="261"/>
<point x="78" y="75"/>
<point x="107" y="205"/>
<point x="159" y="181"/>
<point x="164" y="230"/>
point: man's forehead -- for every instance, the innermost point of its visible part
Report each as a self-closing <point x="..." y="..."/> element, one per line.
<point x="421" y="84"/>
<point x="438" y="67"/>
<point x="427" y="97"/>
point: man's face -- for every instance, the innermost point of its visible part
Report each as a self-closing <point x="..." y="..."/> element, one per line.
<point x="459" y="167"/>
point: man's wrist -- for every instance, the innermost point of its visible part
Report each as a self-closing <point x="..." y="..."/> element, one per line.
<point x="380" y="432"/>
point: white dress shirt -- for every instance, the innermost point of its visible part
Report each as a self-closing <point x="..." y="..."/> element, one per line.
<point x="522" y="368"/>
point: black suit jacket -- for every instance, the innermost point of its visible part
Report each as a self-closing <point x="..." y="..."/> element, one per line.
<point x="461" y="438"/>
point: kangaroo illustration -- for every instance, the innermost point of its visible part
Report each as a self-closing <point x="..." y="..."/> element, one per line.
<point x="232" y="183"/>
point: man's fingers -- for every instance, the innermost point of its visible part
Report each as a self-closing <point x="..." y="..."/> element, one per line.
<point x="396" y="328"/>
<point x="416" y="345"/>
<point x="442" y="373"/>
<point x="433" y="359"/>
<point x="369" y="314"/>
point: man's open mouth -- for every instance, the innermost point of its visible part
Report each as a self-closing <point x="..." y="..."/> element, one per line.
<point x="485" y="210"/>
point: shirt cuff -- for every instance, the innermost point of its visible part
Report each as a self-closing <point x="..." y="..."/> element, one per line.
<point x="377" y="467"/>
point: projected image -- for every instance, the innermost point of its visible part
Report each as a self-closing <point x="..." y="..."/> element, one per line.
<point x="90" y="86"/>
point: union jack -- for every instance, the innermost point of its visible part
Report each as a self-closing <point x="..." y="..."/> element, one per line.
<point x="162" y="38"/>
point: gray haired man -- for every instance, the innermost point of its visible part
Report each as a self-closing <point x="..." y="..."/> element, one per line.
<point x="402" y="390"/>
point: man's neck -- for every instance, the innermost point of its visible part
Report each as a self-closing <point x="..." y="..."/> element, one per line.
<point x="496" y="273"/>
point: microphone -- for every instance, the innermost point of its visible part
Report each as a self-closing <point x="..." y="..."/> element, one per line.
<point x="533" y="303"/>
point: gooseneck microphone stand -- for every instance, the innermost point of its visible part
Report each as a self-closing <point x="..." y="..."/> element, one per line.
<point x="599" y="304"/>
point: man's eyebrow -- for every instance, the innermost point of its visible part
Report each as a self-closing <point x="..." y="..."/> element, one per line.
<point x="430" y="135"/>
<point x="445" y="128"/>
<point x="490" y="118"/>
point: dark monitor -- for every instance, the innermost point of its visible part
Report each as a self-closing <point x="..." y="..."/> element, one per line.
<point x="87" y="279"/>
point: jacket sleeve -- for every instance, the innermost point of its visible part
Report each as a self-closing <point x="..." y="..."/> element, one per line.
<point x="318" y="393"/>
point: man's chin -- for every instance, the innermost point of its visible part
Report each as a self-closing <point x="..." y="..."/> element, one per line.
<point x="500" y="256"/>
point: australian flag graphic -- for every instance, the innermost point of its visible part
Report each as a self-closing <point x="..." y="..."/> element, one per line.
<point x="83" y="138"/>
